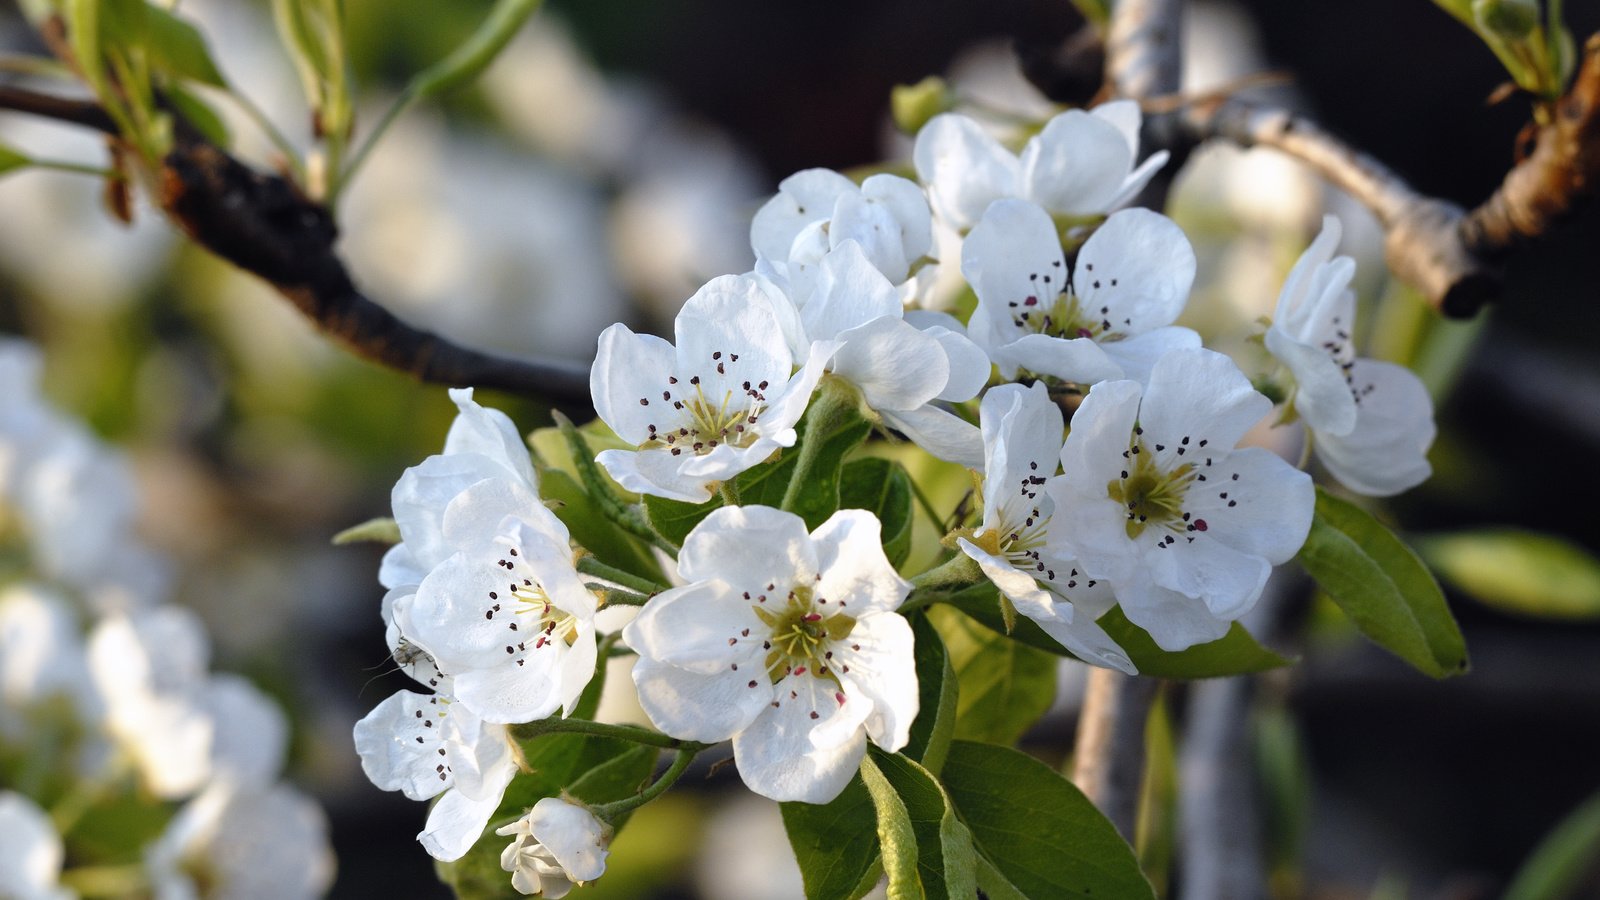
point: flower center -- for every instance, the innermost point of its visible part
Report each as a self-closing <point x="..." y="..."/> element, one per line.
<point x="1061" y="317"/>
<point x="534" y="619"/>
<point x="801" y="636"/>
<point x="1153" y="497"/>
<point x="703" y="422"/>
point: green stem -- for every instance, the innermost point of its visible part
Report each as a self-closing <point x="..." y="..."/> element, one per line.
<point x="834" y="403"/>
<point x="616" y="596"/>
<point x="56" y="165"/>
<point x="729" y="491"/>
<point x="259" y="118"/>
<point x="954" y="574"/>
<point x="591" y="566"/>
<point x="461" y="67"/>
<point x="680" y="764"/>
<point x="925" y="503"/>
<point x="599" y="490"/>
<point x="633" y="733"/>
<point x="106" y="881"/>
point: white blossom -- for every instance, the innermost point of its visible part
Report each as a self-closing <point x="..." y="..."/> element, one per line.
<point x="1371" y="422"/>
<point x="481" y="446"/>
<point x="818" y="210"/>
<point x="1155" y="498"/>
<point x="1080" y="165"/>
<point x="150" y="668"/>
<point x="30" y="852"/>
<point x="718" y="403"/>
<point x="784" y="641"/>
<point x="1109" y="319"/>
<point x="243" y="842"/>
<point x="506" y="614"/>
<point x="1022" y="437"/>
<point x="42" y="656"/>
<point x="556" y="845"/>
<point x="903" y="364"/>
<point x="427" y="744"/>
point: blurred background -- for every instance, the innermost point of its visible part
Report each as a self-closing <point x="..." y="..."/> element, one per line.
<point x="609" y="164"/>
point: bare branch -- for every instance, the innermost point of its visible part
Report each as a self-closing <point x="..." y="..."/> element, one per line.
<point x="1563" y="168"/>
<point x="1144" y="55"/>
<point x="1423" y="241"/>
<point x="264" y="225"/>
<point x="1108" y="756"/>
<point x="74" y="112"/>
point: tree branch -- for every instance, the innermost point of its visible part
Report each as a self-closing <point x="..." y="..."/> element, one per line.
<point x="1108" y="755"/>
<point x="1563" y="168"/>
<point x="264" y="225"/>
<point x="1423" y="241"/>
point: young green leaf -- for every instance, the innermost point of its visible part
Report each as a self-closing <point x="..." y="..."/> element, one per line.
<point x="896" y="837"/>
<point x="883" y="488"/>
<point x="1560" y="862"/>
<point x="937" y="694"/>
<point x="945" y="859"/>
<point x="12" y="159"/>
<point x="1035" y="833"/>
<point x="381" y="530"/>
<point x="1519" y="572"/>
<point x="836" y="843"/>
<point x="1383" y="587"/>
<point x="1005" y="685"/>
<point x="178" y="49"/>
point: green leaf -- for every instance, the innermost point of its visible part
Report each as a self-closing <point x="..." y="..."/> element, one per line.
<point x="1235" y="653"/>
<point x="945" y="859"/>
<point x="591" y="529"/>
<point x="11" y="159"/>
<point x="178" y="49"/>
<point x="836" y="843"/>
<point x="1519" y="572"/>
<point x="1562" y="860"/>
<point x="896" y="839"/>
<point x="936" y="692"/>
<point x="382" y="530"/>
<point x="1156" y="833"/>
<point x="1039" y="835"/>
<point x="198" y="113"/>
<point x="765" y="484"/>
<point x="305" y="38"/>
<point x="1005" y="685"/>
<point x="883" y="488"/>
<point x="1383" y="587"/>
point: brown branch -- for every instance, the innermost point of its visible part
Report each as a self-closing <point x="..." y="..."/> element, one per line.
<point x="1562" y="170"/>
<point x="1423" y="242"/>
<point x="1108" y="754"/>
<point x="264" y="225"/>
<point x="74" y="112"/>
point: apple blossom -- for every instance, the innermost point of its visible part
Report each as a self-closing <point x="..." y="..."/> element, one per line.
<point x="30" y="851"/>
<point x="1110" y="318"/>
<point x="1080" y="165"/>
<point x="718" y="403"/>
<point x="556" y="845"/>
<point x="427" y="744"/>
<point x="1022" y="435"/>
<point x="784" y="641"/>
<point x="1371" y="422"/>
<point x="1155" y="498"/>
<point x="237" y="840"/>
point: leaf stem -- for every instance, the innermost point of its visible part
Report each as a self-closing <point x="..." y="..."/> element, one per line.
<point x="833" y="404"/>
<point x="599" y="490"/>
<point x="592" y="566"/>
<point x="954" y="574"/>
<point x="680" y="764"/>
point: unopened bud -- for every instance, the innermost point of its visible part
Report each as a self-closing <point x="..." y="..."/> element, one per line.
<point x="914" y="104"/>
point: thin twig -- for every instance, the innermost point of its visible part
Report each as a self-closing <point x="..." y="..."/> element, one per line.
<point x="1108" y="755"/>
<point x="74" y="112"/>
<point x="1423" y="242"/>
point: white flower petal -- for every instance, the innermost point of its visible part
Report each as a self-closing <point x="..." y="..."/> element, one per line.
<point x="573" y="835"/>
<point x="702" y="627"/>
<point x="884" y="671"/>
<point x="1255" y="502"/>
<point x="1079" y="360"/>
<point x="251" y="734"/>
<point x="655" y="472"/>
<point x="731" y="315"/>
<point x="963" y="168"/>
<point x="855" y="573"/>
<point x="1175" y="622"/>
<point x="1077" y="164"/>
<point x="860" y="220"/>
<point x="749" y="547"/>
<point x="1013" y="261"/>
<point x="399" y="743"/>
<point x="909" y="206"/>
<point x="1082" y="636"/>
<point x="457" y="821"/>
<point x="1387" y="451"/>
<point x="1135" y="271"/>
<point x="1225" y="580"/>
<point x="776" y="755"/>
<point x="489" y="433"/>
<point x="1322" y="396"/>
<point x="849" y="292"/>
<point x="1137" y="356"/>
<point x="803" y="198"/>
<point x="695" y="707"/>
<point x="629" y="368"/>
<point x="894" y="365"/>
<point x="1202" y="395"/>
<point x="945" y="435"/>
<point x="969" y="364"/>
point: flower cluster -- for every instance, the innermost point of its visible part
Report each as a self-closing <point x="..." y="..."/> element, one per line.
<point x="107" y="689"/>
<point x="774" y="619"/>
